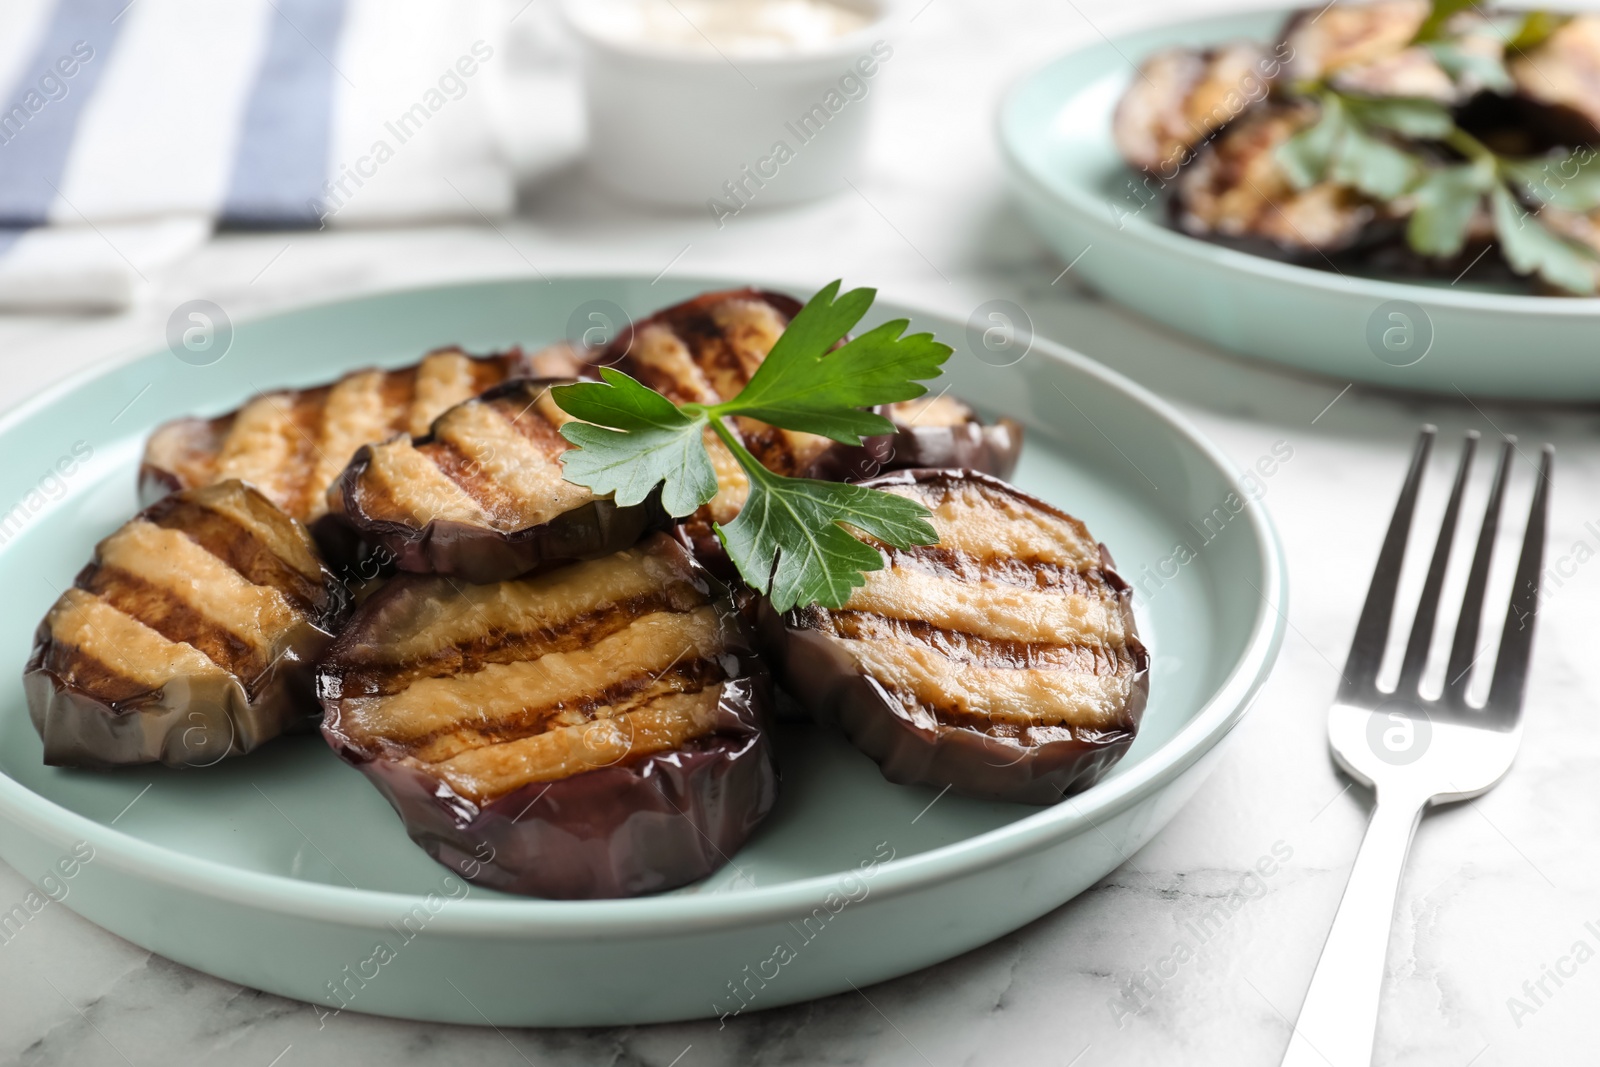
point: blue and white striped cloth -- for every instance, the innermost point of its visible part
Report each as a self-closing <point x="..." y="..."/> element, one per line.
<point x="129" y="130"/>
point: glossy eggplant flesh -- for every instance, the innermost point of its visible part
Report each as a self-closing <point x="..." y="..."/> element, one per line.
<point x="1237" y="190"/>
<point x="1319" y="42"/>
<point x="482" y="494"/>
<point x="292" y="444"/>
<point x="491" y="687"/>
<point x="1002" y="662"/>
<point x="188" y="638"/>
<point x="939" y="430"/>
<point x="1181" y="96"/>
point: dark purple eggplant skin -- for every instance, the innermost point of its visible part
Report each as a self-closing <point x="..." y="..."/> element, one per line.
<point x="477" y="553"/>
<point x="992" y="448"/>
<point x="827" y="683"/>
<point x="642" y="825"/>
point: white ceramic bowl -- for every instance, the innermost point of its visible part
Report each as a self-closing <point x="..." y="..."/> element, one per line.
<point x="699" y="129"/>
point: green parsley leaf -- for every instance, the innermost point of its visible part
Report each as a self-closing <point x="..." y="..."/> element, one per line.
<point x="790" y="538"/>
<point x="1465" y="65"/>
<point x="1531" y="248"/>
<point x="1373" y="166"/>
<point x="650" y="442"/>
<point x="801" y="385"/>
<point x="787" y="540"/>
<point x="1446" y="200"/>
<point x="1571" y="183"/>
<point x="1305" y="156"/>
<point x="1406" y="116"/>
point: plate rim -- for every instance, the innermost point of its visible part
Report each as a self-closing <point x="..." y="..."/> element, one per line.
<point x="1195" y="250"/>
<point x="617" y="919"/>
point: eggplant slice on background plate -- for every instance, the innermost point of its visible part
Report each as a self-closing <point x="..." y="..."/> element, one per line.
<point x="481" y="495"/>
<point x="1002" y="662"/>
<point x="292" y="443"/>
<point x="705" y="350"/>
<point x="190" y="637"/>
<point x="595" y="730"/>
<point x="941" y="431"/>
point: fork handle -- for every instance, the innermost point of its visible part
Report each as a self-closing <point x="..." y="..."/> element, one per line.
<point x="1339" y="1018"/>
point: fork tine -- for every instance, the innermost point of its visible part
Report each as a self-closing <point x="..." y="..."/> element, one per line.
<point x="1372" y="629"/>
<point x="1516" y="639"/>
<point x="1464" y="647"/>
<point x="1422" y="625"/>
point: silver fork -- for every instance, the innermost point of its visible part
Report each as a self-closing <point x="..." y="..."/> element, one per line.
<point x="1412" y="751"/>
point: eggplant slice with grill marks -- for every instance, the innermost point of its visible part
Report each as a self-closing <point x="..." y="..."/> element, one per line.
<point x="942" y="431"/>
<point x="1560" y="77"/>
<point x="1237" y="193"/>
<point x="1182" y="96"/>
<point x="481" y="495"/>
<point x="596" y="730"/>
<point x="1002" y="662"/>
<point x="292" y="444"/>
<point x="1322" y="42"/>
<point x="190" y="637"/>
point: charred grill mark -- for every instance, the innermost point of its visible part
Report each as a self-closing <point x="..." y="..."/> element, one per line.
<point x="256" y="562"/>
<point x="399" y="397"/>
<point x="193" y="453"/>
<point x="623" y="695"/>
<point x="468" y="473"/>
<point x="522" y="412"/>
<point x="770" y="445"/>
<point x="177" y="621"/>
<point x="505" y="646"/>
<point x="612" y="738"/>
<point x="490" y="372"/>
<point x="307" y="413"/>
<point x="1024" y="573"/>
<point x="492" y="461"/>
<point x="78" y="667"/>
<point x="978" y="651"/>
<point x="1021" y="733"/>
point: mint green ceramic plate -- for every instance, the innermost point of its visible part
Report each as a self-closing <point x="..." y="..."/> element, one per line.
<point x="1055" y="132"/>
<point x="286" y="871"/>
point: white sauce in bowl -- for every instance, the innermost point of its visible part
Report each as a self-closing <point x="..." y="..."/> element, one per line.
<point x="732" y="28"/>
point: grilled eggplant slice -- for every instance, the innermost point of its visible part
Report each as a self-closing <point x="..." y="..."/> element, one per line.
<point x="1320" y="42"/>
<point x="1237" y="193"/>
<point x="292" y="444"/>
<point x="1181" y="96"/>
<point x="481" y="495"/>
<point x="1562" y="74"/>
<point x="1002" y="662"/>
<point x="597" y="730"/>
<point x="190" y="637"/>
<point x="942" y="431"/>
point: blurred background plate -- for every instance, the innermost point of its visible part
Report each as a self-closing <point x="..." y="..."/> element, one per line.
<point x="285" y="871"/>
<point x="1055" y="133"/>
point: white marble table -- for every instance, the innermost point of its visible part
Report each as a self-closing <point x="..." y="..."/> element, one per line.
<point x="1496" y="891"/>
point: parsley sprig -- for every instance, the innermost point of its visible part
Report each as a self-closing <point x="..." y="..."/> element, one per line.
<point x="789" y="539"/>
<point x="1373" y="144"/>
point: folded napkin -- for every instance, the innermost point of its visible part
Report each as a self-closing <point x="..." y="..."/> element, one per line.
<point x="129" y="129"/>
